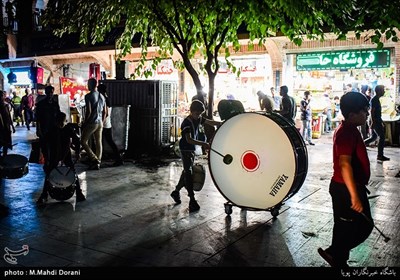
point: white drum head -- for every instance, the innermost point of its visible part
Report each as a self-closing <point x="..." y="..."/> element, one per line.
<point x="62" y="177"/>
<point x="263" y="168"/>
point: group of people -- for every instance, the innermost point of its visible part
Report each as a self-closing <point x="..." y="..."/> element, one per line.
<point x="22" y="110"/>
<point x="57" y="138"/>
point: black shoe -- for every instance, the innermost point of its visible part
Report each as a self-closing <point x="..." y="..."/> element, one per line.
<point x="193" y="206"/>
<point x="80" y="197"/>
<point x="382" y="158"/>
<point x="311" y="143"/>
<point x="42" y="199"/>
<point x="176" y="197"/>
<point x="327" y="257"/>
<point x="94" y="166"/>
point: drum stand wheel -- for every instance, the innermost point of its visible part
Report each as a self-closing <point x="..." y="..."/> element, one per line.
<point x="274" y="210"/>
<point x="228" y="208"/>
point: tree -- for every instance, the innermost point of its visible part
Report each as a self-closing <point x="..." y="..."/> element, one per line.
<point x="210" y="27"/>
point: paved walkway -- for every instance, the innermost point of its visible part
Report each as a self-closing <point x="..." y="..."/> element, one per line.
<point x="130" y="220"/>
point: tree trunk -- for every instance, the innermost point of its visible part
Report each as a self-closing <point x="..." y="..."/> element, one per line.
<point x="211" y="88"/>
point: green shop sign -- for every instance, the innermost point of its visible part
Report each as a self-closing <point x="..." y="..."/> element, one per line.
<point x="354" y="59"/>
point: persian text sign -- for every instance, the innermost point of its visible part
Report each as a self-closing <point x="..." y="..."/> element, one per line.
<point x="351" y="59"/>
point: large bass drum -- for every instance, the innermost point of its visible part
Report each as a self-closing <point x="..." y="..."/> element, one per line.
<point x="257" y="161"/>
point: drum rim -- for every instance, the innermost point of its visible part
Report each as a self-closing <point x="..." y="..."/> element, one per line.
<point x="292" y="191"/>
<point x="25" y="159"/>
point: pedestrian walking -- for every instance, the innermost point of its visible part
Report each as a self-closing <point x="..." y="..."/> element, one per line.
<point x="28" y="106"/>
<point x="377" y="125"/>
<point x="107" y="127"/>
<point x="351" y="173"/>
<point x="288" y="105"/>
<point x="95" y="114"/>
<point x="306" y="117"/>
<point x="190" y="132"/>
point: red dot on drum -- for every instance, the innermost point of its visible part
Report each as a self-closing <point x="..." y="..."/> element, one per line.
<point x="250" y="161"/>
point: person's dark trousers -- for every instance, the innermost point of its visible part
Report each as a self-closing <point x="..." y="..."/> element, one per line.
<point x="17" y="114"/>
<point x="186" y="179"/>
<point x="28" y="117"/>
<point x="49" y="146"/>
<point x="45" y="147"/>
<point x="328" y="121"/>
<point x="69" y="163"/>
<point x="378" y="130"/>
<point x="107" y="133"/>
<point x="350" y="228"/>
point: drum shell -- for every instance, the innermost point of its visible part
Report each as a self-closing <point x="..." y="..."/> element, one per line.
<point x="198" y="177"/>
<point x="13" y="166"/>
<point x="281" y="155"/>
<point x="62" y="183"/>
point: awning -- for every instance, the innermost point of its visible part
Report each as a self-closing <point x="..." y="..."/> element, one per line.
<point x="17" y="63"/>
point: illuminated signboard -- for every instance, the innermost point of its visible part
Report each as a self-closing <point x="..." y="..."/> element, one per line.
<point x="352" y="59"/>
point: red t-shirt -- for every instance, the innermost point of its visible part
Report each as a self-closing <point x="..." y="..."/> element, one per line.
<point x="347" y="140"/>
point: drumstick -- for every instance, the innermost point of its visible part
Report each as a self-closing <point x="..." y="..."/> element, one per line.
<point x="8" y="144"/>
<point x="385" y="238"/>
<point x="227" y="159"/>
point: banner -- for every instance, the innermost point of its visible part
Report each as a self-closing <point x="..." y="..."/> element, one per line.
<point x="71" y="87"/>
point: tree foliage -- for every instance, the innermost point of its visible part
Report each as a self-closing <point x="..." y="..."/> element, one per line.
<point x="210" y="27"/>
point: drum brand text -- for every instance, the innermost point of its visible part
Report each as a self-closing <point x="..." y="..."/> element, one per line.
<point x="278" y="184"/>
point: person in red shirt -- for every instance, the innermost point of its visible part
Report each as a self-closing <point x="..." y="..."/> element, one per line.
<point x="28" y="106"/>
<point x="351" y="173"/>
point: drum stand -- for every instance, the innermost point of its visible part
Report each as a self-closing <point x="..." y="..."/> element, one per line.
<point x="274" y="210"/>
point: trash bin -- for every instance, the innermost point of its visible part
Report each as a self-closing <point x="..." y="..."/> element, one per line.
<point x="317" y="125"/>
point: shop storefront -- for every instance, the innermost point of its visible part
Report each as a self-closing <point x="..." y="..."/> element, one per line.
<point x="72" y="97"/>
<point x="20" y="78"/>
<point x="330" y="72"/>
<point x="327" y="73"/>
<point x="255" y="75"/>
